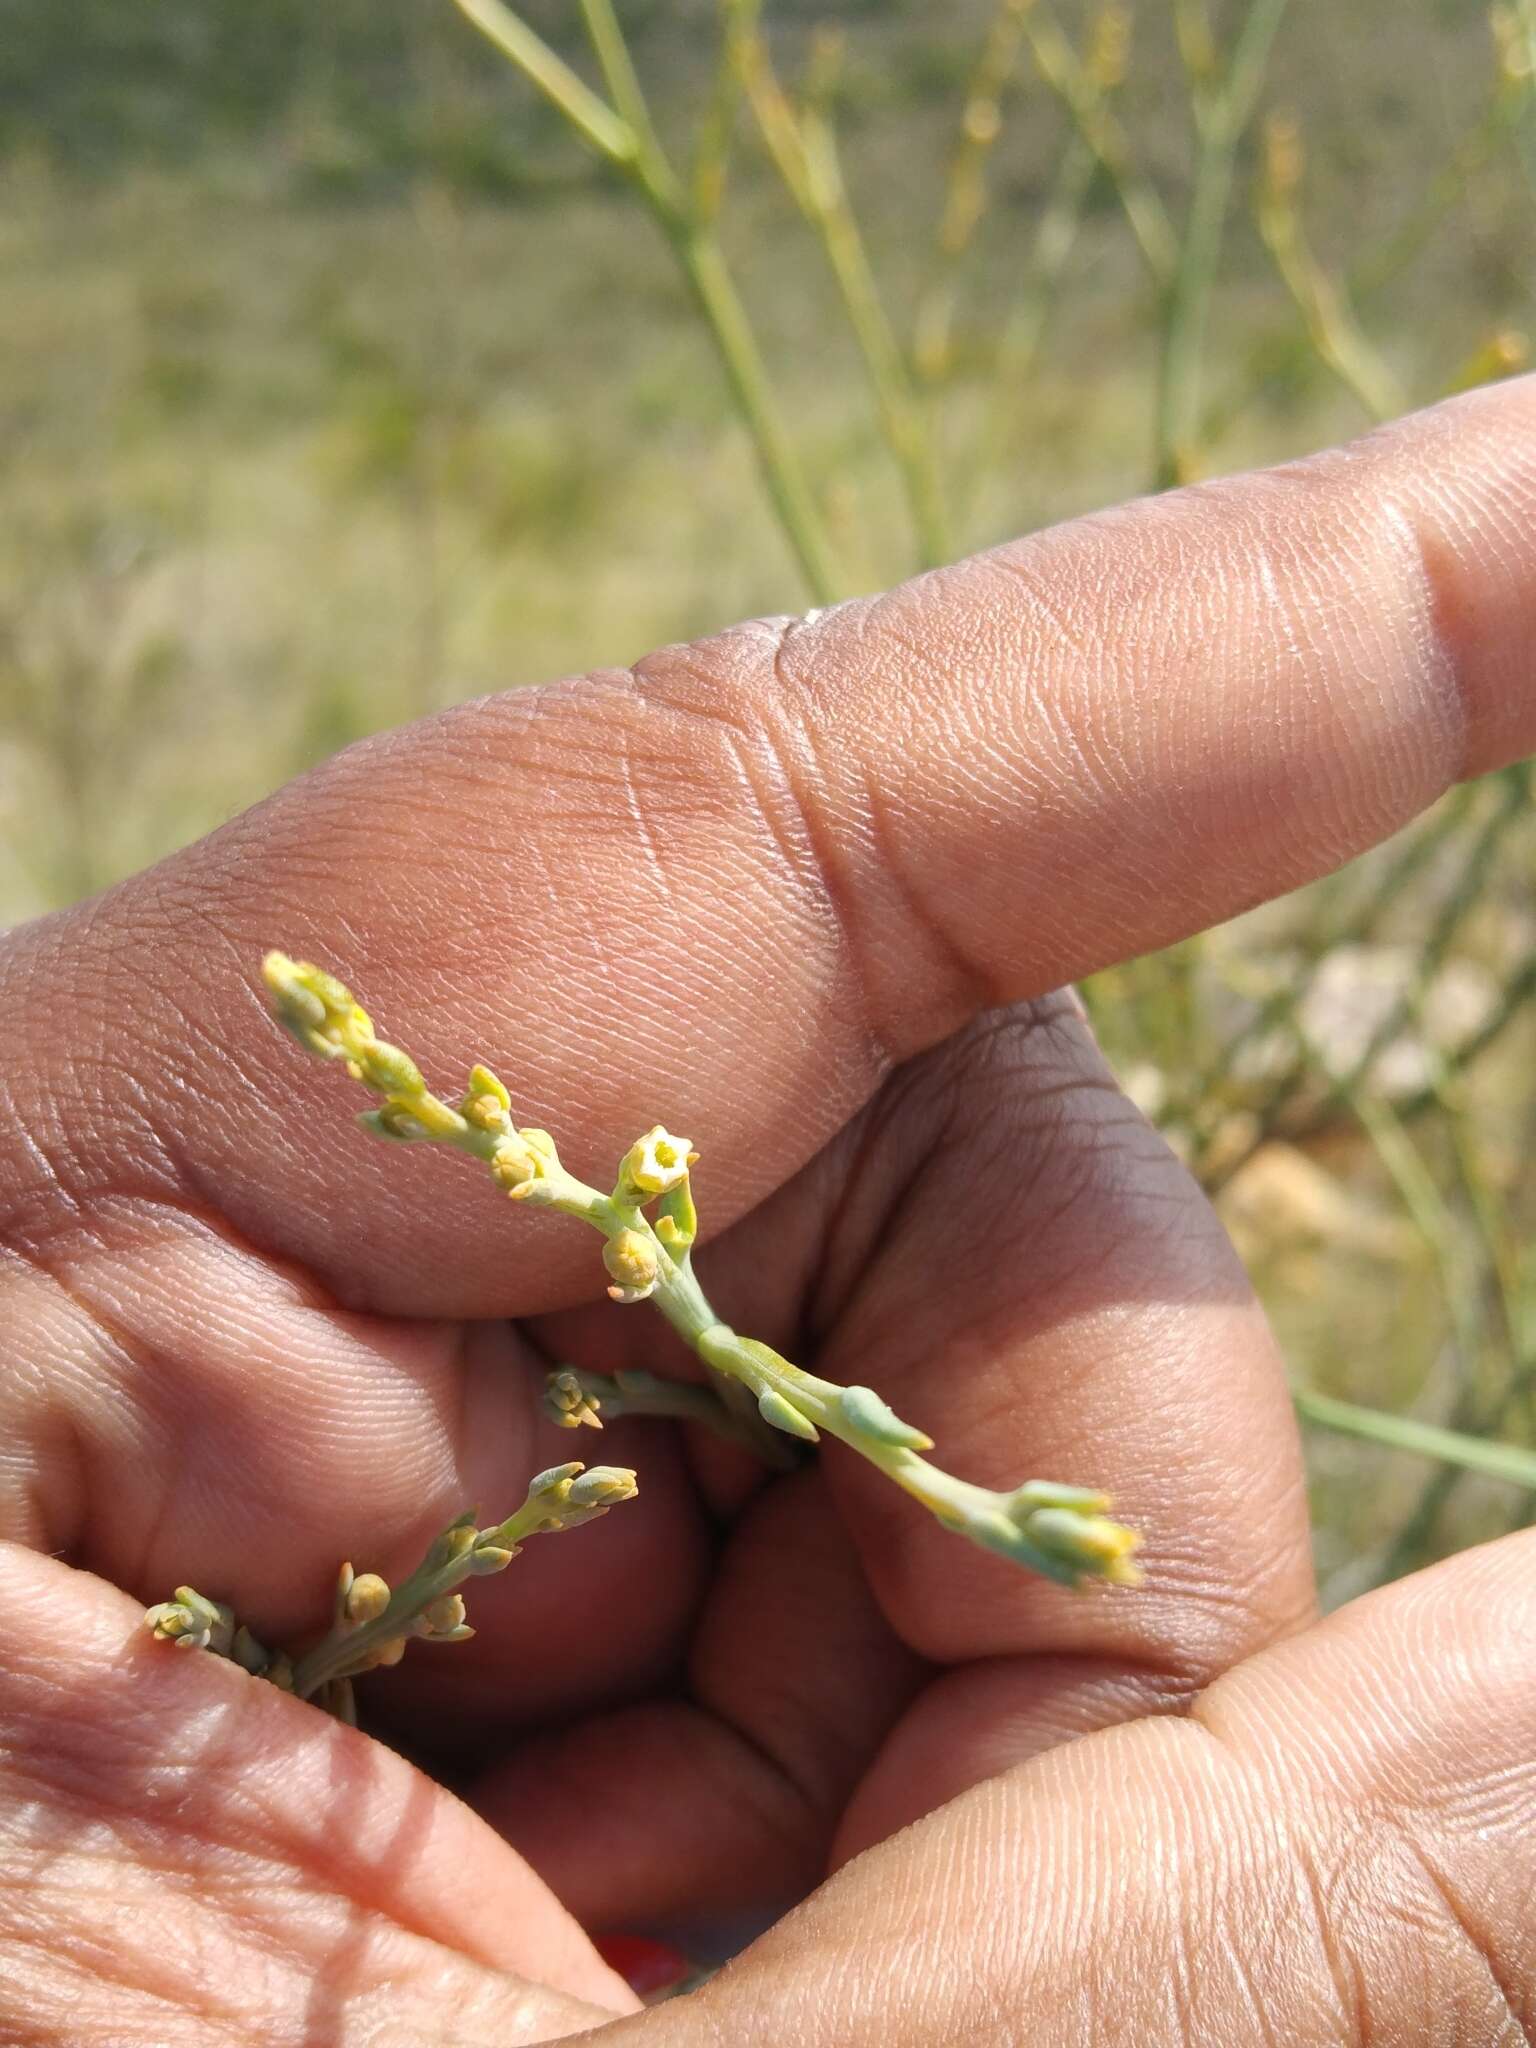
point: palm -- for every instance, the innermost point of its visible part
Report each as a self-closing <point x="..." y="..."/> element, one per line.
<point x="719" y="1666"/>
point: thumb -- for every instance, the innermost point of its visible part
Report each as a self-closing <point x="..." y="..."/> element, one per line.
<point x="190" y="1859"/>
<point x="1338" y="1846"/>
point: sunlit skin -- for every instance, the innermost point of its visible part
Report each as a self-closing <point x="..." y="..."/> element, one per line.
<point x="802" y="891"/>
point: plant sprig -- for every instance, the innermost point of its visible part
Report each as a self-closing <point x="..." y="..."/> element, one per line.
<point x="373" y="1622"/>
<point x="1061" y="1532"/>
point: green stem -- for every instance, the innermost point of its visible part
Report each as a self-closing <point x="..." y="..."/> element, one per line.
<point x="730" y="329"/>
<point x="902" y="417"/>
<point x="1422" y="1439"/>
<point x="590" y="116"/>
<point x="1221" y="117"/>
<point x="344" y="1651"/>
<point x="627" y="1392"/>
<point x="1068" y="77"/>
<point x="628" y="138"/>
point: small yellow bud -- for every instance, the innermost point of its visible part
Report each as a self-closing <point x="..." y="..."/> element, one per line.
<point x="603" y="1486"/>
<point x="568" y="1402"/>
<point x="491" y="1557"/>
<point x="367" y="1597"/>
<point x="514" y="1164"/>
<point x="485" y="1113"/>
<point x="483" y="1082"/>
<point x="387" y="1654"/>
<point x="1090" y="1542"/>
<point x="630" y="1257"/>
<point x="444" y="1613"/>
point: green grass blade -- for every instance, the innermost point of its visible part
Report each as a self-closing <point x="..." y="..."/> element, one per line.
<point x="1421" y="1439"/>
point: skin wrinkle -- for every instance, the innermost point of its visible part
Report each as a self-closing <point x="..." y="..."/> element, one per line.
<point x="1478" y="1942"/>
<point x="68" y="1531"/>
<point x="225" y="1781"/>
<point x="867" y="847"/>
<point x="751" y="732"/>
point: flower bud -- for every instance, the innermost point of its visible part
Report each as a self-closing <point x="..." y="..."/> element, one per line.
<point x="514" y="1165"/>
<point x="553" y="1484"/>
<point x="444" y="1613"/>
<point x="603" y="1486"/>
<point x="782" y="1414"/>
<point x="568" y="1403"/>
<point x="630" y="1257"/>
<point x="491" y="1557"/>
<point x="459" y="1538"/>
<point x="863" y="1407"/>
<point x="193" y="1622"/>
<point x="367" y="1597"/>
<point x="1090" y="1542"/>
<point x="299" y="1006"/>
<point x="483" y="1082"/>
<point x="485" y="1113"/>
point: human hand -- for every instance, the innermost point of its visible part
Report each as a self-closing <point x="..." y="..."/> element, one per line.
<point x="801" y="891"/>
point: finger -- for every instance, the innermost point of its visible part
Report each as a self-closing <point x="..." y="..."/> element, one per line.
<point x="1339" y="1847"/>
<point x="1095" y="741"/>
<point x="723" y="890"/>
<point x="1021" y="1266"/>
<point x="189" y="1856"/>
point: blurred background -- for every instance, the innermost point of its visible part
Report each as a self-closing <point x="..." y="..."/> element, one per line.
<point x="356" y="359"/>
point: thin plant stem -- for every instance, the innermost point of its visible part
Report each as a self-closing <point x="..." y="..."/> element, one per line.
<point x="630" y="142"/>
<point x="1222" y="113"/>
<point x="965" y="189"/>
<point x="1060" y="66"/>
<point x="1423" y="1439"/>
<point x="1059" y="1531"/>
<point x="803" y="148"/>
<point x="1055" y="235"/>
<point x="1335" y="335"/>
<point x="590" y="116"/>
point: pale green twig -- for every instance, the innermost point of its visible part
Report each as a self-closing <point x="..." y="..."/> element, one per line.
<point x="803" y="146"/>
<point x="624" y="134"/>
<point x="1423" y="1439"/>
<point x="373" y="1622"/>
<point x="1074" y="83"/>
<point x="965" y="188"/>
<point x="1062" y="1532"/>
<point x="575" y="1399"/>
<point x="1336" y="336"/>
<point x="1223" y="103"/>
